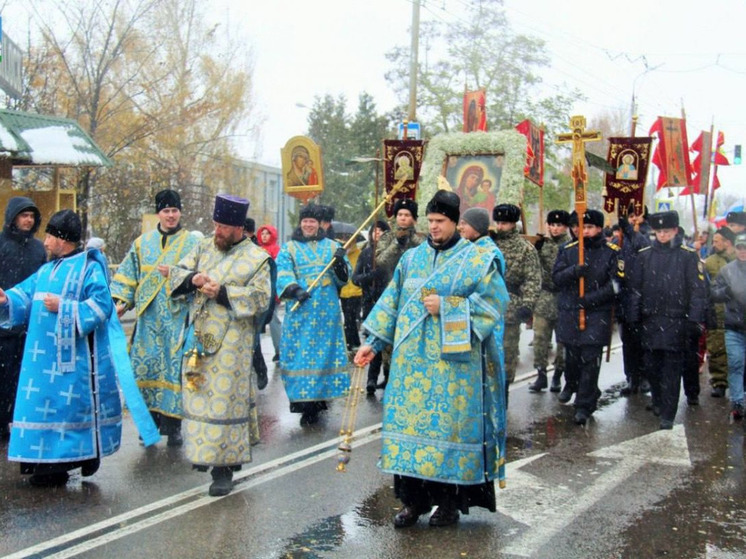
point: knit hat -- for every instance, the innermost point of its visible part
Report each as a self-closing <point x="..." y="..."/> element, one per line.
<point x="380" y="224"/>
<point x="95" y="242"/>
<point x="507" y="213"/>
<point x="446" y="203"/>
<point x="740" y="240"/>
<point x="560" y="217"/>
<point x="593" y="217"/>
<point x="664" y="220"/>
<point x="249" y="225"/>
<point x="65" y="225"/>
<point x="727" y="234"/>
<point x="230" y="210"/>
<point x="167" y="199"/>
<point x="478" y="218"/>
<point x="406" y="204"/>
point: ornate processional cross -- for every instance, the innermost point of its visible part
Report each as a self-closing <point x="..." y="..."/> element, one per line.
<point x="579" y="136"/>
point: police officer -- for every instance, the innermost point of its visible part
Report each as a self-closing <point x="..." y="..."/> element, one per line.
<point x="635" y="236"/>
<point x="602" y="273"/>
<point x="668" y="299"/>
<point x="545" y="310"/>
<point x="522" y="276"/>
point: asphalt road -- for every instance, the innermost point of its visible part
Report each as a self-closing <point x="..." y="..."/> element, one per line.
<point x="617" y="488"/>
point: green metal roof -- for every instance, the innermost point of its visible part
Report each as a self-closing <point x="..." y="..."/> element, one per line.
<point x="34" y="139"/>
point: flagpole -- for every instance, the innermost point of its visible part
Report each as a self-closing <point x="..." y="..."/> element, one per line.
<point x="691" y="188"/>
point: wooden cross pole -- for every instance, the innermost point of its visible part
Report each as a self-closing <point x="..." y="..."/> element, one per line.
<point x="579" y="136"/>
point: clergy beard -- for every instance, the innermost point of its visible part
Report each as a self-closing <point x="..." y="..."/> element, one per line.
<point x="224" y="244"/>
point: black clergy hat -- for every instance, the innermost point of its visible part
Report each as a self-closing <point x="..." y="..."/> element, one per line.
<point x="311" y="211"/>
<point x="327" y="213"/>
<point x="664" y="220"/>
<point x="593" y="217"/>
<point x="406" y="204"/>
<point x="739" y="218"/>
<point x="508" y="213"/>
<point x="230" y="210"/>
<point x="65" y="225"/>
<point x="167" y="199"/>
<point x="560" y="217"/>
<point x="446" y="203"/>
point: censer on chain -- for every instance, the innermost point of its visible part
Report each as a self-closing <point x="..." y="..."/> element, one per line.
<point x="349" y="417"/>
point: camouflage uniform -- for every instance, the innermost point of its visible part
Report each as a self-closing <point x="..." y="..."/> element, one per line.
<point x="389" y="249"/>
<point x="523" y="278"/>
<point x="545" y="310"/>
<point x="718" y="359"/>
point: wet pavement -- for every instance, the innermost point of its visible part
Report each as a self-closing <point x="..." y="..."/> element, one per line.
<point x="618" y="487"/>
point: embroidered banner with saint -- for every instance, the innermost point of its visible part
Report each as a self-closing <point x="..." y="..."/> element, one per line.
<point x="475" y="111"/>
<point x="534" y="168"/>
<point x="629" y="157"/>
<point x="671" y="155"/>
<point x="402" y="160"/>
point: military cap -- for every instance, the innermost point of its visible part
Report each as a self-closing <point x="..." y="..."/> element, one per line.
<point x="664" y="220"/>
<point x="508" y="213"/>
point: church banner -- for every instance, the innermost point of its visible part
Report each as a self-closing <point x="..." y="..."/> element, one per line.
<point x="671" y="155"/>
<point x="475" y="111"/>
<point x="701" y="164"/>
<point x="534" y="168"/>
<point x="402" y="161"/>
<point x="629" y="157"/>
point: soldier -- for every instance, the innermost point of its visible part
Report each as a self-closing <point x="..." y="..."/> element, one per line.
<point x="522" y="276"/>
<point x="602" y="271"/>
<point x="668" y="300"/>
<point x="545" y="310"/>
<point x="717" y="362"/>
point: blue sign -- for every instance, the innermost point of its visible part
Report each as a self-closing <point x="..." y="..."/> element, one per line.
<point x="413" y="131"/>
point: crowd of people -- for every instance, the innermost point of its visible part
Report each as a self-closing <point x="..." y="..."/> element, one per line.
<point x="440" y="314"/>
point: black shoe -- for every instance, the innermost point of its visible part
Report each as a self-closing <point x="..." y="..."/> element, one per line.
<point x="444" y="517"/>
<point x="261" y="379"/>
<point x="382" y="384"/>
<point x="692" y="400"/>
<point x="90" y="467"/>
<point x="309" y="418"/>
<point x="655" y="409"/>
<point x="630" y="389"/>
<point x="644" y="386"/>
<point x="175" y="440"/>
<point x="370" y="388"/>
<point x="566" y="395"/>
<point x="556" y="385"/>
<point x="666" y="424"/>
<point x="56" y="479"/>
<point x="539" y="385"/>
<point x="581" y="417"/>
<point x="276" y="358"/>
<point x="718" y="392"/>
<point x="406" y="517"/>
<point x="222" y="483"/>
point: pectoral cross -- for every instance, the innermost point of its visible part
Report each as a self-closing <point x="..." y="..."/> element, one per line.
<point x="579" y="136"/>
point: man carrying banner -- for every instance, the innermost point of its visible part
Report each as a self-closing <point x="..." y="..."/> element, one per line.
<point x="444" y="413"/>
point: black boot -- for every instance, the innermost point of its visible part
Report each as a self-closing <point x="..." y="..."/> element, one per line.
<point x="566" y="394"/>
<point x="541" y="381"/>
<point x="370" y="388"/>
<point x="556" y="385"/>
<point x="222" y="481"/>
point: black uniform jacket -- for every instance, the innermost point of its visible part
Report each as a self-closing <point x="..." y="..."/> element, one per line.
<point x="668" y="294"/>
<point x="601" y="285"/>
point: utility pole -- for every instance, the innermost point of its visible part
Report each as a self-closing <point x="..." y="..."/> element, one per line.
<point x="413" y="61"/>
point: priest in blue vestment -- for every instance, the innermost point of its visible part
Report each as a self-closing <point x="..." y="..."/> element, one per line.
<point x="68" y="412"/>
<point x="443" y="433"/>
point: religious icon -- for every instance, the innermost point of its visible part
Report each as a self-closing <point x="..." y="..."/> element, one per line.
<point x="627" y="170"/>
<point x="302" y="168"/>
<point x="475" y="178"/>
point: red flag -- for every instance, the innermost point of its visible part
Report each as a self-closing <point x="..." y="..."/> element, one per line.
<point x="715" y="180"/>
<point x="701" y="164"/>
<point x="671" y="155"/>
<point x="720" y="158"/>
<point x="475" y="111"/>
<point x="533" y="170"/>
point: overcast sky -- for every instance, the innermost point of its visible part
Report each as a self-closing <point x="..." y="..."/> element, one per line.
<point x="675" y="53"/>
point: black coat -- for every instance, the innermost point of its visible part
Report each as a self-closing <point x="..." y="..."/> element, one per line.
<point x="371" y="280"/>
<point x="668" y="295"/>
<point x="20" y="253"/>
<point x="601" y="285"/>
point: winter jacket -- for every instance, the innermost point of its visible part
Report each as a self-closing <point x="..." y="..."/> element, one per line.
<point x="729" y="287"/>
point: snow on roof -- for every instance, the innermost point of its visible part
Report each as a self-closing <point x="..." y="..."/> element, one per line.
<point x="7" y="140"/>
<point x="59" y="145"/>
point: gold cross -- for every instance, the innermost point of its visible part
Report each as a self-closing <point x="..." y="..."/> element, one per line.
<point x="579" y="136"/>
